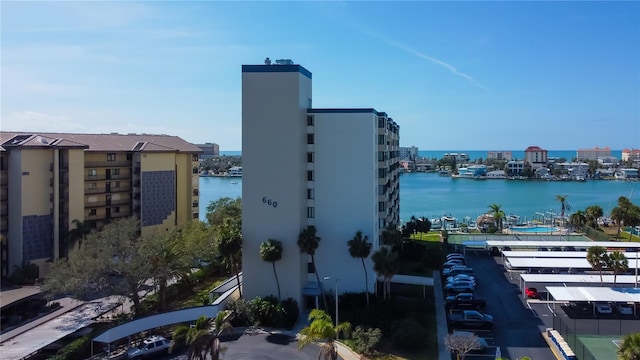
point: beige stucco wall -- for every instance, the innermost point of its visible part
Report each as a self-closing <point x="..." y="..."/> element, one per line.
<point x="76" y="185"/>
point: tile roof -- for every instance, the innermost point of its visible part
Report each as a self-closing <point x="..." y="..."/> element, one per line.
<point x="99" y="142"/>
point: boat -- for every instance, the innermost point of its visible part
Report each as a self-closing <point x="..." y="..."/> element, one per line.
<point x="444" y="172"/>
<point x="234" y="182"/>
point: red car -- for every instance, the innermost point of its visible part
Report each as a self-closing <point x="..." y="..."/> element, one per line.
<point x="532" y="293"/>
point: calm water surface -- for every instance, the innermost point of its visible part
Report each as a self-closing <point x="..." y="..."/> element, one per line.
<point x="430" y="195"/>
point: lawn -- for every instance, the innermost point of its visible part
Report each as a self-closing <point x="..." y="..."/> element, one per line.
<point x="431" y="236"/>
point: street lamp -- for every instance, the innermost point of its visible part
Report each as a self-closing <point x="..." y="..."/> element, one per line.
<point x="336" y="280"/>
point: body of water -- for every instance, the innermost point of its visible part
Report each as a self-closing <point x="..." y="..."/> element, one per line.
<point x="430" y="195"/>
<point x="480" y="154"/>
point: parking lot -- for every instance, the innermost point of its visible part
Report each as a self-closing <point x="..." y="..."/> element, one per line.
<point x="517" y="329"/>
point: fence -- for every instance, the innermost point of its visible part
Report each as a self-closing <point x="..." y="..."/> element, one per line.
<point x="571" y="329"/>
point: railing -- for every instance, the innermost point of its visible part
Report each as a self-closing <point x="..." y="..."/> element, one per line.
<point x="93" y="204"/>
<point x="105" y="177"/>
<point x="113" y="164"/>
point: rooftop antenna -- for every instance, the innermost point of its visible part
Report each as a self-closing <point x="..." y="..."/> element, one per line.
<point x="267" y="61"/>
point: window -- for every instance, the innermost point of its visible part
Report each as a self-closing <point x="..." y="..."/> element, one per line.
<point x="129" y="157"/>
<point x="194" y="170"/>
<point x="309" y="175"/>
<point x="92" y="212"/>
<point x="93" y="172"/>
<point x="195" y="215"/>
<point x="382" y="224"/>
<point x="111" y="157"/>
<point x="311" y="212"/>
<point x="381" y="123"/>
<point x="311" y="194"/>
<point x="194" y="157"/>
<point x="116" y="184"/>
<point x="115" y="171"/>
<point x="381" y="140"/>
<point x="93" y="185"/>
<point x="309" y="120"/>
<point x="381" y="206"/>
<point x="310" y="157"/>
<point x="116" y="209"/>
<point x="310" y="139"/>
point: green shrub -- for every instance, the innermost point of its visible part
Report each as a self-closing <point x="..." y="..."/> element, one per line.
<point x="366" y="339"/>
<point x="240" y="308"/>
<point x="76" y="350"/>
<point x="291" y="312"/>
<point x="265" y="312"/>
<point x="408" y="334"/>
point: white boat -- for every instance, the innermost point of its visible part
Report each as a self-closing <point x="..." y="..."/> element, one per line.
<point x="233" y="182"/>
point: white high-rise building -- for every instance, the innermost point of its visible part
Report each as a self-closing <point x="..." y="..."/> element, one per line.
<point x="336" y="169"/>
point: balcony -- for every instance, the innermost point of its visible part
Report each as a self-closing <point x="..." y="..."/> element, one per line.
<point x="107" y="177"/>
<point x="95" y="204"/>
<point x="111" y="164"/>
<point x="122" y="213"/>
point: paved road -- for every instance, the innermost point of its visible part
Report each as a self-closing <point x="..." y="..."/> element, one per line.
<point x="260" y="347"/>
<point x="517" y="330"/>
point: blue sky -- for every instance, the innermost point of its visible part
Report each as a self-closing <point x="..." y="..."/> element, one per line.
<point x="454" y="75"/>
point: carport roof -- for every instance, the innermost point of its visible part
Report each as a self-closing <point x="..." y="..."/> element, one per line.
<point x="594" y="294"/>
<point x="576" y="278"/>
<point x="534" y="243"/>
<point x="556" y="254"/>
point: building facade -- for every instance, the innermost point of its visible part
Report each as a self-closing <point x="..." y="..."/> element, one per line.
<point x="51" y="179"/>
<point x="499" y="155"/>
<point x="593" y="154"/>
<point x="408" y="153"/>
<point x="631" y="155"/>
<point x="536" y="157"/>
<point x="209" y="150"/>
<point x="340" y="174"/>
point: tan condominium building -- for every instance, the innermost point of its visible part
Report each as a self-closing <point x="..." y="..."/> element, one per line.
<point x="48" y="180"/>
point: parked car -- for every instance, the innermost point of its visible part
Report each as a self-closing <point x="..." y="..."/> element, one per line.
<point x="465" y="301"/>
<point x="556" y="248"/>
<point x="569" y="248"/>
<point x="453" y="262"/>
<point x="460" y="287"/>
<point x="461" y="277"/>
<point x="446" y="272"/>
<point x="149" y="346"/>
<point x="470" y="318"/>
<point x="532" y="293"/>
<point x="542" y="248"/>
<point x="454" y="256"/>
<point x="624" y="309"/>
<point x="604" y="308"/>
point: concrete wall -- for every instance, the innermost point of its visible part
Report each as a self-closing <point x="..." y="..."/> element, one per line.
<point x="346" y="199"/>
<point x="274" y="107"/>
<point x="157" y="170"/>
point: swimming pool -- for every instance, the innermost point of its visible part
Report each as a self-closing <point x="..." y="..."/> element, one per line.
<point x="535" y="229"/>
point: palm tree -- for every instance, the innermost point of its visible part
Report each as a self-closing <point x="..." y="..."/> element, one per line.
<point x="385" y="265"/>
<point x="593" y="213"/>
<point x="618" y="215"/>
<point x="308" y="243"/>
<point x="630" y="348"/>
<point x="392" y="237"/>
<point x="578" y="219"/>
<point x="76" y="235"/>
<point x="498" y="215"/>
<point x="360" y="247"/>
<point x="598" y="258"/>
<point x="230" y="246"/>
<point x="564" y="205"/>
<point x="271" y="251"/>
<point x="322" y="328"/>
<point x="203" y="337"/>
<point x="618" y="263"/>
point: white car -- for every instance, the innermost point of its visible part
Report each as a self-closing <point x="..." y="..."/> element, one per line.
<point x="604" y="308"/>
<point x="462" y="277"/>
<point x="149" y="346"/>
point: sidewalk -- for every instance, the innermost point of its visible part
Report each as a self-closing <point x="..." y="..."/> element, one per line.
<point x="441" y="317"/>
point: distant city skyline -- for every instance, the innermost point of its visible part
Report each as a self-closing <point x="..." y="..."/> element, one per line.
<point x="453" y="75"/>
